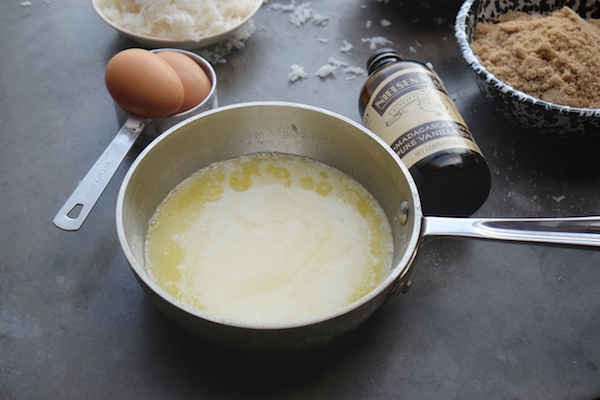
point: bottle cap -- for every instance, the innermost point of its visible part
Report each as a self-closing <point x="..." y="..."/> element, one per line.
<point x="380" y="57"/>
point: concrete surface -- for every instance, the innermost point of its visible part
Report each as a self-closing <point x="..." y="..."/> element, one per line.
<point x="483" y="320"/>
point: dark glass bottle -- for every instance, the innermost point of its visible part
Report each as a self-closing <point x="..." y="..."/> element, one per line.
<point x="407" y="105"/>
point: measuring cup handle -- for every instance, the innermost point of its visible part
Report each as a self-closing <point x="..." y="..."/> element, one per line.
<point x="573" y="231"/>
<point x="76" y="209"/>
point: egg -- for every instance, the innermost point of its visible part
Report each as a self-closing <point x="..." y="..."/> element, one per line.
<point x="144" y="84"/>
<point x="196" y="84"/>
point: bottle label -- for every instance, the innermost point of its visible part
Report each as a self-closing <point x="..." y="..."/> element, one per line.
<point x="412" y="112"/>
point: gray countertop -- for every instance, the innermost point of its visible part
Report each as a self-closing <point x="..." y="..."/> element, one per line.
<point x="483" y="319"/>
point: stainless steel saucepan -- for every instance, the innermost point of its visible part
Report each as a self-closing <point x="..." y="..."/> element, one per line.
<point x="248" y="128"/>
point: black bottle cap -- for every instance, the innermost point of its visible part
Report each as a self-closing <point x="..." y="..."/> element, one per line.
<point x="381" y="57"/>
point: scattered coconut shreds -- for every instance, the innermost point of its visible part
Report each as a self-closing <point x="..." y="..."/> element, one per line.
<point x="25" y="3"/>
<point x="282" y="7"/>
<point x="356" y="71"/>
<point x="325" y="70"/>
<point x="297" y="72"/>
<point x="319" y="19"/>
<point x="560" y="198"/>
<point x="302" y="14"/>
<point x="217" y="52"/>
<point x="337" y="62"/>
<point x="376" y="41"/>
<point x="347" y="47"/>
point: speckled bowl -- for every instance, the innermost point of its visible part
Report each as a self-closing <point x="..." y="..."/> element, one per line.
<point x="518" y="107"/>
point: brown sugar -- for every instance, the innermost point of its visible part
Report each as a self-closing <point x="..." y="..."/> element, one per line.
<point x="554" y="57"/>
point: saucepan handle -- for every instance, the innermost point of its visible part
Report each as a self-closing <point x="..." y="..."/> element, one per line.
<point x="570" y="232"/>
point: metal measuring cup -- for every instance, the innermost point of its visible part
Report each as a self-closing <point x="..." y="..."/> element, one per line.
<point x="78" y="206"/>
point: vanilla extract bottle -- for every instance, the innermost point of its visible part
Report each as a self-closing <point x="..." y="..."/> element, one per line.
<point x="406" y="104"/>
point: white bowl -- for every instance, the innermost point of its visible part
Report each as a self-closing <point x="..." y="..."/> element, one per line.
<point x="189" y="44"/>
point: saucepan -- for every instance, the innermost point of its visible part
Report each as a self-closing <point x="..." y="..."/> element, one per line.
<point x="283" y="127"/>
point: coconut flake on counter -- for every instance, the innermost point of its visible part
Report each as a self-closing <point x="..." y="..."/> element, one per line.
<point x="334" y="64"/>
<point x="320" y="19"/>
<point x="300" y="14"/>
<point x="325" y="70"/>
<point x="347" y="47"/>
<point x="354" y="72"/>
<point x="282" y="7"/>
<point x="376" y="41"/>
<point x="297" y="72"/>
<point x="217" y="52"/>
<point x="337" y="62"/>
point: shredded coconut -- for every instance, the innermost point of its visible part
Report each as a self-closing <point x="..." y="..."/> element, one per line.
<point x="177" y="19"/>
<point x="337" y="62"/>
<point x="347" y="47"/>
<point x="217" y="52"/>
<point x="325" y="70"/>
<point x="376" y="41"/>
<point x="319" y="19"/>
<point x="282" y="7"/>
<point x="297" y="72"/>
<point x="356" y="71"/>
<point x="302" y="14"/>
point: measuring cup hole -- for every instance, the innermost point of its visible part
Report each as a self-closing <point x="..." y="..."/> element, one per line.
<point x="75" y="211"/>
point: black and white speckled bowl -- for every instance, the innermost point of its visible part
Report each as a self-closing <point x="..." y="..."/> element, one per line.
<point x="518" y="107"/>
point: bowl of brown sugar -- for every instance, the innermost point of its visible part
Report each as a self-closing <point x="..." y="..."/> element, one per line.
<point x="536" y="61"/>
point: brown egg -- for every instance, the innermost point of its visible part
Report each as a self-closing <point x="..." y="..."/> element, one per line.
<point x="143" y="83"/>
<point x="196" y="84"/>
